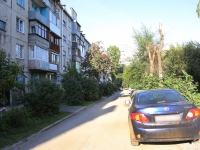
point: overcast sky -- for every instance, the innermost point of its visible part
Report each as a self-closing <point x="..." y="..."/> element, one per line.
<point x="112" y="21"/>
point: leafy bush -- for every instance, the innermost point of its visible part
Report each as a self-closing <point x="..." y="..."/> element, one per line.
<point x="90" y="88"/>
<point x="14" y="118"/>
<point x="101" y="90"/>
<point x="42" y="97"/>
<point x="73" y="91"/>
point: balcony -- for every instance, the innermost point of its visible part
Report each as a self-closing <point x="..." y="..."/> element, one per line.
<point x="35" y="15"/>
<point x="76" y="58"/>
<point x="55" y="47"/>
<point x="42" y="65"/>
<point x="55" y="29"/>
<point x="75" y="45"/>
<point x="53" y="67"/>
<point x="36" y="39"/>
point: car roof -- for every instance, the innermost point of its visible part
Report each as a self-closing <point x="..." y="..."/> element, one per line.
<point x="141" y="91"/>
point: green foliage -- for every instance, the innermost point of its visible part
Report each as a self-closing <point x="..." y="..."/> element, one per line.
<point x="90" y="88"/>
<point x="143" y="38"/>
<point x="14" y="118"/>
<point x="198" y="9"/>
<point x="173" y="60"/>
<point x="73" y="91"/>
<point x="71" y="72"/>
<point x="42" y="97"/>
<point x="133" y="74"/>
<point x="101" y="90"/>
<point x="96" y="62"/>
<point x="8" y="73"/>
<point x="108" y="88"/>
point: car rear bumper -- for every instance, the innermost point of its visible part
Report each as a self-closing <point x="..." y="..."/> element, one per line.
<point x="168" y="134"/>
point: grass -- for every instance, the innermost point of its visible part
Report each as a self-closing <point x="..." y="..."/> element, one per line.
<point x="16" y="134"/>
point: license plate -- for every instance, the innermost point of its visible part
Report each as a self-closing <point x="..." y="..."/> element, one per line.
<point x="168" y="118"/>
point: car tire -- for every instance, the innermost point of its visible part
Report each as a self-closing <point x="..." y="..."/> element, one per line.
<point x="134" y="143"/>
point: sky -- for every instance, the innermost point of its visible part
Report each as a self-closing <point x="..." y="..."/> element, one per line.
<point x="112" y="21"/>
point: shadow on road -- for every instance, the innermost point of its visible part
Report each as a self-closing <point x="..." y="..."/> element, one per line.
<point x="83" y="117"/>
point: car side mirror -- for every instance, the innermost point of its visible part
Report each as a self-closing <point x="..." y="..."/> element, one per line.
<point x="127" y="103"/>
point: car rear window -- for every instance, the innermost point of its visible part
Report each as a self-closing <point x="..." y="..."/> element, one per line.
<point x="155" y="97"/>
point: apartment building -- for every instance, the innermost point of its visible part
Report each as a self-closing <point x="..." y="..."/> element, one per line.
<point x="42" y="36"/>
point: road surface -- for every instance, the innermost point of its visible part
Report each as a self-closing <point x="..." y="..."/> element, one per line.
<point x="104" y="126"/>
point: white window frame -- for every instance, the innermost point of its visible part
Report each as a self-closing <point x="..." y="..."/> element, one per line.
<point x="19" y="25"/>
<point x="54" y="58"/>
<point x="19" y="51"/>
<point x="21" y="3"/>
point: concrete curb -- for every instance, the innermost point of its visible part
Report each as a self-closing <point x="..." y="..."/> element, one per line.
<point x="50" y="126"/>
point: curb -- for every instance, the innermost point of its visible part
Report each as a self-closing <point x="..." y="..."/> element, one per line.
<point x="50" y="126"/>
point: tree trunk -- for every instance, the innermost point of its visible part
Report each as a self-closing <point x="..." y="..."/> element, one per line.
<point x="160" y="70"/>
<point x="151" y="59"/>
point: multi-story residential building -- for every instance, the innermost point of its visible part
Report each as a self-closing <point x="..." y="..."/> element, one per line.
<point x="66" y="42"/>
<point x="44" y="39"/>
<point x="42" y="36"/>
<point x="76" y="41"/>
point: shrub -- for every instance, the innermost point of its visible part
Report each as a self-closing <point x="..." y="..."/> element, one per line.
<point x="73" y="91"/>
<point x="43" y="97"/>
<point x="90" y="88"/>
<point x="16" y="117"/>
<point x="101" y="90"/>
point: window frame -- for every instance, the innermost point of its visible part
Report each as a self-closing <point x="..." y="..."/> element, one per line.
<point x="19" y="48"/>
<point x="21" y="3"/>
<point x="3" y="25"/>
<point x="18" y="25"/>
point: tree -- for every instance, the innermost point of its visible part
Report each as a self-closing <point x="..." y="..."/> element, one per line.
<point x="146" y="47"/>
<point x="96" y="61"/>
<point x="9" y="70"/>
<point x="159" y="52"/>
<point x="173" y="60"/>
<point x="198" y="9"/>
<point x="114" y="53"/>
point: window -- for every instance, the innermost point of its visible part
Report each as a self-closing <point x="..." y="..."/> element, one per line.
<point x="19" y="51"/>
<point x="21" y="3"/>
<point x="69" y="37"/>
<point x="20" y="80"/>
<point x="38" y="29"/>
<point x="53" y="18"/>
<point x="64" y="38"/>
<point x="69" y="23"/>
<point x="35" y="7"/>
<point x="31" y="51"/>
<point x="69" y="51"/>
<point x="64" y="53"/>
<point x="64" y="23"/>
<point x="19" y="25"/>
<point x="54" y="40"/>
<point x="54" y="58"/>
<point x="2" y="25"/>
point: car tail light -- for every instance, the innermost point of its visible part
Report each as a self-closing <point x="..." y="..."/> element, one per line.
<point x="139" y="117"/>
<point x="193" y="113"/>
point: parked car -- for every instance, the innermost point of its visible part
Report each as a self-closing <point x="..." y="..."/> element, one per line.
<point x="162" y="115"/>
<point x="131" y="93"/>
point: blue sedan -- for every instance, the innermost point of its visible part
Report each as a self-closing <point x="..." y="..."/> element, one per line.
<point x="162" y="115"/>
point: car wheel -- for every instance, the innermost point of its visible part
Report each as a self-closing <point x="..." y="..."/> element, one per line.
<point x="134" y="143"/>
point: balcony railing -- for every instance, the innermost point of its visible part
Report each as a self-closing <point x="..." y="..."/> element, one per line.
<point x="35" y="15"/>
<point x="36" y="39"/>
<point x="55" y="47"/>
<point x="42" y="65"/>
<point x="76" y="58"/>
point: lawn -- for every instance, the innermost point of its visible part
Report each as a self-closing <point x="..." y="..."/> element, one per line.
<point x="16" y="134"/>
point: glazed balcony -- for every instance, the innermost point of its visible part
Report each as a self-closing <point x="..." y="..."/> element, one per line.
<point x="35" y="15"/>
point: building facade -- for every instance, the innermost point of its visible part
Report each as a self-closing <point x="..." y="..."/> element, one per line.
<point x="42" y="36"/>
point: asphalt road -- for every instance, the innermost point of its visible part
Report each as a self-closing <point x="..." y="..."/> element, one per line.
<point x="100" y="127"/>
